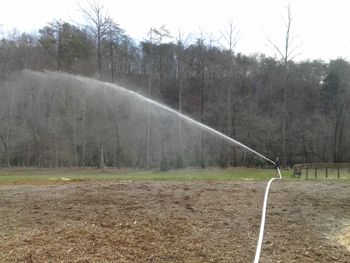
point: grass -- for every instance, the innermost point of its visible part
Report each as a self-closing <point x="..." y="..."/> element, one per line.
<point x="53" y="176"/>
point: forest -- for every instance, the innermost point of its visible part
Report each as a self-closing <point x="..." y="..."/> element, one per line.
<point x="297" y="110"/>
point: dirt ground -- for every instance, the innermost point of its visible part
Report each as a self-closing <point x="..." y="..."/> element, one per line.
<point x="174" y="222"/>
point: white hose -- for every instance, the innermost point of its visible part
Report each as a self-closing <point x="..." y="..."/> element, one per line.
<point x="262" y="224"/>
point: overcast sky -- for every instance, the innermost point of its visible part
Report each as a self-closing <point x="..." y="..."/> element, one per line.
<point x="320" y="28"/>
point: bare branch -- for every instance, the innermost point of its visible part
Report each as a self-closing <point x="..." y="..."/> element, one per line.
<point x="183" y="38"/>
<point x="275" y="47"/>
<point x="162" y="32"/>
<point x="231" y="36"/>
<point x="287" y="54"/>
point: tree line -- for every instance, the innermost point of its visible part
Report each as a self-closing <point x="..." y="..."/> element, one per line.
<point x="295" y="110"/>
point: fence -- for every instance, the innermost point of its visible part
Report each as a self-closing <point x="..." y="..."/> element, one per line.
<point x="322" y="170"/>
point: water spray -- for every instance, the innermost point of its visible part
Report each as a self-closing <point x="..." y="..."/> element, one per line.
<point x="201" y="125"/>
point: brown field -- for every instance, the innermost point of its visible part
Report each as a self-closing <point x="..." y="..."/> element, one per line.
<point x="307" y="221"/>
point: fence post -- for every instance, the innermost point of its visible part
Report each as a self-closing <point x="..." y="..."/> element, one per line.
<point x="315" y="173"/>
<point x="326" y="172"/>
<point x="338" y="173"/>
<point x="307" y="173"/>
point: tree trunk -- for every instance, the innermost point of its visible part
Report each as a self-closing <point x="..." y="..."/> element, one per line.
<point x="179" y="124"/>
<point x="335" y="159"/>
<point x="229" y="120"/>
<point x="75" y="141"/>
<point x="4" y="143"/>
<point x="149" y="106"/>
<point x="83" y="154"/>
<point x="111" y="55"/>
<point x="233" y="135"/>
<point x="56" y="144"/>
<point x="202" y="118"/>
<point x="59" y="48"/>
<point x="102" y="160"/>
<point x="99" y="55"/>
<point x="306" y="157"/>
<point x="149" y="137"/>
<point x="119" y="154"/>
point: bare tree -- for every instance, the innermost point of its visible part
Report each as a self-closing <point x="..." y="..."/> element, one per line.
<point x="181" y="42"/>
<point x="150" y="69"/>
<point x="200" y="66"/>
<point x="287" y="54"/>
<point x="95" y="15"/>
<point x="230" y="36"/>
<point x="159" y="35"/>
<point x="156" y="37"/>
<point x="113" y="36"/>
<point x="51" y="40"/>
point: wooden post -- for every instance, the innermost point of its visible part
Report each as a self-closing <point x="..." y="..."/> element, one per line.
<point x="338" y="172"/>
<point x="307" y="173"/>
<point x="315" y="173"/>
<point x="326" y="172"/>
